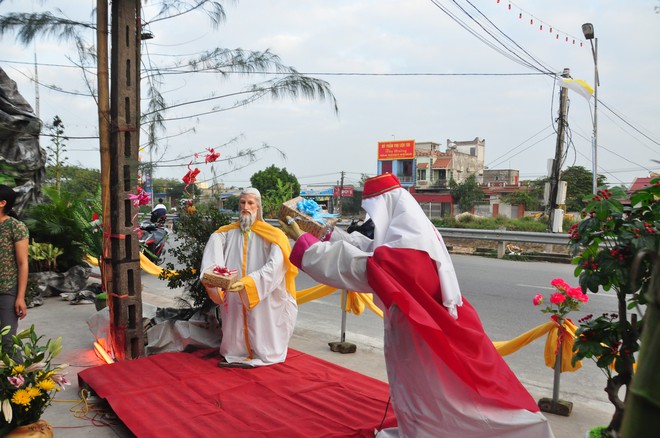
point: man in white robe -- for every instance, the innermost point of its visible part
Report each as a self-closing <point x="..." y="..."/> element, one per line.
<point x="259" y="310"/>
<point x="446" y="378"/>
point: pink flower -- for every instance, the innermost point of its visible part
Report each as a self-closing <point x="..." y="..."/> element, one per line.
<point x="557" y="298"/>
<point x="583" y="297"/>
<point x="574" y="292"/>
<point x="538" y="299"/>
<point x="142" y="197"/>
<point x="560" y="284"/>
<point x="16" y="381"/>
<point x="60" y="379"/>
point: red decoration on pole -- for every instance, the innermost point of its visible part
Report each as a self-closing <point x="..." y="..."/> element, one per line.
<point x="550" y="30"/>
<point x="520" y="15"/>
<point x="557" y="36"/>
<point x="566" y="39"/>
<point x="531" y="21"/>
<point x="541" y="27"/>
<point x="509" y="6"/>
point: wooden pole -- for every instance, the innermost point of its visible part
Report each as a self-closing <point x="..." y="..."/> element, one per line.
<point x="104" y="132"/>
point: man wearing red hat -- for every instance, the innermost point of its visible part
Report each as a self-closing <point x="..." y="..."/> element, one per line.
<point x="446" y="378"/>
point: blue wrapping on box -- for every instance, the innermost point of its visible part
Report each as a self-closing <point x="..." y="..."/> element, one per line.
<point x="311" y="208"/>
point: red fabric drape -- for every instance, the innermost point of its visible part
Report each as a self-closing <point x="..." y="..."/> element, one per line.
<point x="409" y="278"/>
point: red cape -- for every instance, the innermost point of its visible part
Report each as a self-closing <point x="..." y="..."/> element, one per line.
<point x="409" y="278"/>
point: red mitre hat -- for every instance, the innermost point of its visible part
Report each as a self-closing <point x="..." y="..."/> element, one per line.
<point x="380" y="184"/>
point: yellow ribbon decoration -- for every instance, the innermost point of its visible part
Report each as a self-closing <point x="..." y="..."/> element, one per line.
<point x="357" y="302"/>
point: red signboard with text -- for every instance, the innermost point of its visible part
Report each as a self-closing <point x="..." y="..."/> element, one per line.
<point x="346" y="192"/>
<point x="396" y="150"/>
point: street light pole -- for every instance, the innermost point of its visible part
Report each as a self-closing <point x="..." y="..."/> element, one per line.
<point x="588" y="31"/>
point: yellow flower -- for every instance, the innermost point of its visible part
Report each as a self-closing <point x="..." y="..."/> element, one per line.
<point x="33" y="392"/>
<point x="21" y="397"/>
<point x="17" y="369"/>
<point x="46" y="385"/>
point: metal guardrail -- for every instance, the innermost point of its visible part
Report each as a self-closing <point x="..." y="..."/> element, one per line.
<point x="501" y="236"/>
<point x="505" y="236"/>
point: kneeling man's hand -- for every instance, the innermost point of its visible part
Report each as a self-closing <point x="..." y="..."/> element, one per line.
<point x="236" y="287"/>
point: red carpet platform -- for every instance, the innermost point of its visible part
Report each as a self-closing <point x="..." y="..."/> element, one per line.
<point x="187" y="395"/>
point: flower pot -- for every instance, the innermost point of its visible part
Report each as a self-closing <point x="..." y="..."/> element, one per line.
<point x="38" y="429"/>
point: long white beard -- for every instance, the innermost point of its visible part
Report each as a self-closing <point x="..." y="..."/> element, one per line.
<point x="246" y="220"/>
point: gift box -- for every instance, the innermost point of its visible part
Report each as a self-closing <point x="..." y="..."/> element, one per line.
<point x="219" y="276"/>
<point x="311" y="219"/>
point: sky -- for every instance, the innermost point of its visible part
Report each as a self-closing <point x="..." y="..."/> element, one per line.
<point x="398" y="70"/>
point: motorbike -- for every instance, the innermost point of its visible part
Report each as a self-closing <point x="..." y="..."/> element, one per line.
<point x="366" y="228"/>
<point x="152" y="238"/>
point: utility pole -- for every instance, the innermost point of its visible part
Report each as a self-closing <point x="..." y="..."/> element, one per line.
<point x="555" y="174"/>
<point x="36" y="83"/>
<point x="341" y="189"/>
<point x="103" y="85"/>
<point x="125" y="287"/>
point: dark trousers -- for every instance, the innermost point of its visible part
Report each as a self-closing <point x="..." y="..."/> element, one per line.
<point x="8" y="318"/>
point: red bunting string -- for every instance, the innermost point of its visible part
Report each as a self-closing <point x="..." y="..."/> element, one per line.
<point x="551" y="29"/>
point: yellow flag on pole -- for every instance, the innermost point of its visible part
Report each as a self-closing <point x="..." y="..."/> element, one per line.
<point x="578" y="85"/>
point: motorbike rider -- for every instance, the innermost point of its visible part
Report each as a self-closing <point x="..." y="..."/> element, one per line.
<point x="159" y="211"/>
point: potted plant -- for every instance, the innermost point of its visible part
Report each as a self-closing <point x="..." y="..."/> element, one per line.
<point x="615" y="228"/>
<point x="29" y="381"/>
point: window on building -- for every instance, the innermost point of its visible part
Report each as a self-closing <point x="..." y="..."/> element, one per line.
<point x="405" y="173"/>
<point x="421" y="174"/>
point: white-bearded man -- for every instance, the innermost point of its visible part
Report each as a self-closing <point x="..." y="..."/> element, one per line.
<point x="446" y="378"/>
<point x="259" y="310"/>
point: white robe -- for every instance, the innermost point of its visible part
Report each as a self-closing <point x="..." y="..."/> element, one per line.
<point x="270" y="319"/>
<point x="428" y="399"/>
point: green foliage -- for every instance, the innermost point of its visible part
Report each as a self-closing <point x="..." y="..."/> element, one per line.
<point x="488" y="223"/>
<point x="467" y="193"/>
<point x="175" y="188"/>
<point x="231" y="203"/>
<point x="275" y="197"/>
<point x="267" y="179"/>
<point x="56" y="151"/>
<point x="579" y="185"/>
<point x="352" y="206"/>
<point x="522" y="197"/>
<point x="600" y="339"/>
<point x="63" y="221"/>
<point x="192" y="233"/>
<point x="43" y="256"/>
<point x="599" y="432"/>
<point x="92" y="230"/>
<point x="75" y="179"/>
<point x="606" y="243"/>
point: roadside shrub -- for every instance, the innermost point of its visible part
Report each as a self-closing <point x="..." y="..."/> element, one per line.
<point x="192" y="233"/>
